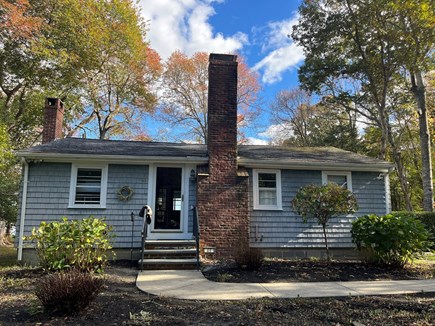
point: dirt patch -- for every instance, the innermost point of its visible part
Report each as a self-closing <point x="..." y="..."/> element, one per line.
<point x="313" y="271"/>
<point x="121" y="303"/>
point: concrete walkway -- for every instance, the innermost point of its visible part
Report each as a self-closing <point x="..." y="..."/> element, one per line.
<point x="192" y="285"/>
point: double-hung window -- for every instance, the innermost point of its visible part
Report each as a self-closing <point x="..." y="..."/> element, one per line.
<point x="267" y="189"/>
<point x="343" y="179"/>
<point x="88" y="186"/>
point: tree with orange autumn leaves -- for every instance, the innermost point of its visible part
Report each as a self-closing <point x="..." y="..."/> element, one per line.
<point x="184" y="98"/>
<point x="15" y="22"/>
<point x="92" y="54"/>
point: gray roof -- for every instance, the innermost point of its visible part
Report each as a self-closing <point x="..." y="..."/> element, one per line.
<point x="248" y="154"/>
<point x="327" y="155"/>
<point x="91" y="147"/>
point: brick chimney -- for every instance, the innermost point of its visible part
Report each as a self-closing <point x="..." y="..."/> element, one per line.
<point x="221" y="196"/>
<point x="53" y="120"/>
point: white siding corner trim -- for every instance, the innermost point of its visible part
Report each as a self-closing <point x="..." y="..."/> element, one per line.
<point x="348" y="175"/>
<point x="23" y="209"/>
<point x="273" y="187"/>
<point x="387" y="193"/>
<point x="101" y="202"/>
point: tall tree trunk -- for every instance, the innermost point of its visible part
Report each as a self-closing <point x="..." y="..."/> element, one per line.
<point x="419" y="92"/>
<point x="400" y="169"/>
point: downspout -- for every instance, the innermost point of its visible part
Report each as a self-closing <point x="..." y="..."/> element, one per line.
<point x="23" y="208"/>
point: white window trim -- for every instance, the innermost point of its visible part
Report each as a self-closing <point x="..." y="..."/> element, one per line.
<point x="347" y="174"/>
<point x="73" y="184"/>
<point x="257" y="205"/>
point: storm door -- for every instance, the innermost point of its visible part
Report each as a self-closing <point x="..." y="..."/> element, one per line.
<point x="169" y="201"/>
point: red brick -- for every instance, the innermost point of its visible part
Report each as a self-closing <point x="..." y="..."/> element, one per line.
<point x="53" y="120"/>
<point x="222" y="197"/>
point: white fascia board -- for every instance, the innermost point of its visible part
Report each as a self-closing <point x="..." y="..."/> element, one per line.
<point x="256" y="164"/>
<point x="118" y="159"/>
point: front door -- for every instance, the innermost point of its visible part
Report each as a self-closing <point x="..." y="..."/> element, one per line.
<point x="168" y="200"/>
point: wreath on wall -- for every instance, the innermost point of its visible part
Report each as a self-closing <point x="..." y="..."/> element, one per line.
<point x="125" y="193"/>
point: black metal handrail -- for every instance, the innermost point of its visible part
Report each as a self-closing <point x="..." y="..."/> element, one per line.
<point x="196" y="234"/>
<point x="144" y="238"/>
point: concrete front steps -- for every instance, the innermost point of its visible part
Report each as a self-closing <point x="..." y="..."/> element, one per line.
<point x="169" y="254"/>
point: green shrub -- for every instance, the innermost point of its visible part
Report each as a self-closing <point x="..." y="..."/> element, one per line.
<point x="427" y="218"/>
<point x="82" y="244"/>
<point x="322" y="203"/>
<point x="68" y="292"/>
<point x="390" y="240"/>
<point x="248" y="258"/>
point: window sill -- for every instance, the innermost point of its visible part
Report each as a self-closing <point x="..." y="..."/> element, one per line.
<point x="86" y="206"/>
<point x="268" y="209"/>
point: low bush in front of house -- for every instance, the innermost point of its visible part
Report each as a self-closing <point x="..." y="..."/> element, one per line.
<point x="248" y="258"/>
<point x="427" y="218"/>
<point x="80" y="244"/>
<point x="391" y="240"/>
<point x="68" y="292"/>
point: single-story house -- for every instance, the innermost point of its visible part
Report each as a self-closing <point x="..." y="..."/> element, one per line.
<point x="240" y="192"/>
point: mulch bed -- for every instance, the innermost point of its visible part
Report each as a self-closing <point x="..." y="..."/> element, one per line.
<point x="312" y="271"/>
<point x="121" y="303"/>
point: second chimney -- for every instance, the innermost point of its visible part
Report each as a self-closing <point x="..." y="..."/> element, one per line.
<point x="53" y="120"/>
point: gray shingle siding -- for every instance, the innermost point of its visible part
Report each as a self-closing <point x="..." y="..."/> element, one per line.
<point x="48" y="197"/>
<point x="281" y="229"/>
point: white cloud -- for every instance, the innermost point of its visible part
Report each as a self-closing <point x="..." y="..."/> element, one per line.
<point x="277" y="133"/>
<point x="256" y="141"/>
<point x="183" y="25"/>
<point x="279" y="61"/>
<point x="283" y="54"/>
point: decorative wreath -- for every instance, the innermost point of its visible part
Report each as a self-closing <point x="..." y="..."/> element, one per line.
<point x="125" y="193"/>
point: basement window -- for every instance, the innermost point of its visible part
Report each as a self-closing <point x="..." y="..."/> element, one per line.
<point x="267" y="190"/>
<point x="343" y="179"/>
<point x="88" y="186"/>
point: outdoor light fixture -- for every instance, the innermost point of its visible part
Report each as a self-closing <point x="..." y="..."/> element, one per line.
<point x="192" y="174"/>
<point x="209" y="250"/>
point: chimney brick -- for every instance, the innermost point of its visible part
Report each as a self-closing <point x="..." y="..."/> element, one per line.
<point x="53" y="120"/>
<point x="222" y="197"/>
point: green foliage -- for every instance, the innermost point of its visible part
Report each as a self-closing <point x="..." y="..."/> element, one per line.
<point x="320" y="124"/>
<point x="81" y="244"/>
<point x="9" y="180"/>
<point x="391" y="240"/>
<point x="91" y="53"/>
<point x="427" y="218"/>
<point x="322" y="203"/>
<point x="355" y="55"/>
<point x="68" y="292"/>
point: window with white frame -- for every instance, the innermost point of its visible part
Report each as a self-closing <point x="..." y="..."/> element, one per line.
<point x="267" y="189"/>
<point x="343" y="179"/>
<point x="88" y="186"/>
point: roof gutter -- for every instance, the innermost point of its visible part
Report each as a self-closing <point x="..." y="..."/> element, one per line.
<point x="122" y="159"/>
<point x="23" y="208"/>
<point x="363" y="167"/>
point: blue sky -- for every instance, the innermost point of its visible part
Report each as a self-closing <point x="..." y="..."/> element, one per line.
<point x="257" y="29"/>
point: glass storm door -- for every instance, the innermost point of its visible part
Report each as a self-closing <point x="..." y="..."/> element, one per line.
<point x="168" y="205"/>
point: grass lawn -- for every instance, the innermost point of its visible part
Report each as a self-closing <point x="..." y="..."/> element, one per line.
<point x="8" y="256"/>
